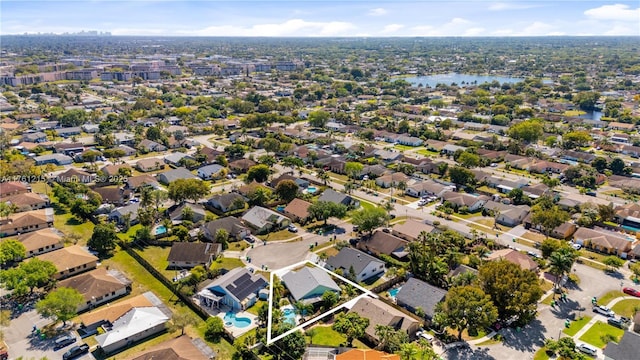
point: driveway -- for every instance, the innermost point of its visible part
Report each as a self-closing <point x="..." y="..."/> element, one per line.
<point x="276" y="255"/>
<point x="23" y="343"/>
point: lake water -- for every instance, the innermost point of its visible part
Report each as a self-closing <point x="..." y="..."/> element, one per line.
<point x="592" y="115"/>
<point x="448" y="79"/>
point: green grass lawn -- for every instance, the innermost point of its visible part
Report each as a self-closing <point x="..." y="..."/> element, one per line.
<point x="325" y="335"/>
<point x="157" y="256"/>
<point x="606" y="298"/>
<point x="573" y="113"/>
<point x="404" y="147"/>
<point x="594" y="335"/>
<point x="238" y="245"/>
<point x="279" y="235"/>
<point x="428" y="153"/>
<point x="625" y="307"/>
<point x="126" y="236"/>
<point x="69" y="224"/>
<point x="227" y="263"/>
<point x="254" y="309"/>
<point x="576" y="326"/>
<point x="541" y="354"/>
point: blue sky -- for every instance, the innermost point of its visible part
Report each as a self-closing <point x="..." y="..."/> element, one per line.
<point x="324" y="18"/>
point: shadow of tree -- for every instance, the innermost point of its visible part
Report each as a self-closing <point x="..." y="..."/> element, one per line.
<point x="528" y="338"/>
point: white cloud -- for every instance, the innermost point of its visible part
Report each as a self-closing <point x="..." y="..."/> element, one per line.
<point x="616" y="12"/>
<point x="377" y="12"/>
<point x="293" y="27"/>
<point x="475" y="31"/>
<point x="391" y="28"/>
<point x="501" y="6"/>
<point x="618" y="30"/>
<point x="455" y="27"/>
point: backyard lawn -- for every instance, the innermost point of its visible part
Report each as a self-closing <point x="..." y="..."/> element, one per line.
<point x="325" y="335"/>
<point x="625" y="307"/>
<point x="226" y="263"/>
<point x="70" y="225"/>
<point x="606" y="298"/>
<point x="278" y="235"/>
<point x="595" y="334"/>
<point x="576" y="326"/>
<point x="157" y="256"/>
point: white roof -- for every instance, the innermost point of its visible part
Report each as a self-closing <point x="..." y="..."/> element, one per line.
<point x="135" y="321"/>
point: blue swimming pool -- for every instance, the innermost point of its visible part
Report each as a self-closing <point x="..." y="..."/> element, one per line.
<point x="289" y="315"/>
<point x="394" y="292"/>
<point x="160" y="229"/>
<point x="230" y="319"/>
<point x="311" y="189"/>
<point x="630" y="228"/>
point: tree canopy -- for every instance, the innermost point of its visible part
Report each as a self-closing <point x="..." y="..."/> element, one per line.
<point x="527" y="131"/>
<point x="368" y="219"/>
<point x="466" y="308"/>
<point x="187" y="189"/>
<point x="11" y="250"/>
<point x="60" y="304"/>
<point x="323" y="210"/>
<point x="351" y="325"/>
<point x="104" y="238"/>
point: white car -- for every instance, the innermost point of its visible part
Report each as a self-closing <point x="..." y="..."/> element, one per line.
<point x="422" y="202"/>
<point x="603" y="310"/>
<point x="576" y="246"/>
<point x="425" y="335"/>
<point x="587" y="349"/>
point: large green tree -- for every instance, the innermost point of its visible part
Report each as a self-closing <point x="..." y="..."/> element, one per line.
<point x="318" y="118"/>
<point x="353" y="169"/>
<point x="214" y="328"/>
<point x="351" y="325"/>
<point x="11" y="250"/>
<point x="104" y="238"/>
<point x="528" y="131"/>
<point x="390" y="339"/>
<point x="466" y="308"/>
<point x="259" y="173"/>
<point x="514" y="291"/>
<point x="187" y="189"/>
<point x="323" y="210"/>
<point x="60" y="304"/>
<point x="368" y="219"/>
<point x="561" y="261"/>
<point x="461" y="176"/>
<point x="287" y="190"/>
<point x="548" y="218"/>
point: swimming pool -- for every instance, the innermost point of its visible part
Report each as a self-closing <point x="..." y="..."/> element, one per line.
<point x="289" y="315"/>
<point x="230" y="319"/>
<point x="630" y="228"/>
<point x="394" y="292"/>
<point x="311" y="189"/>
<point x="160" y="229"/>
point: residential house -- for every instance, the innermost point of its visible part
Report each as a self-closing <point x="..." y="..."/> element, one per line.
<point x="387" y="156"/>
<point x="13" y="188"/>
<point x="27" y="201"/>
<point x="505" y="186"/>
<point x="70" y="149"/>
<point x="458" y="200"/>
<point x="179" y="348"/>
<point x="70" y="261"/>
<point x="56" y="159"/>
<point x="75" y="175"/>
<point x="242" y="165"/>
<point x="264" y="220"/>
<point x="416" y="294"/>
<point x="411" y="229"/>
<point x="614" y="125"/>
<point x="134" y="183"/>
<point x="196" y="211"/>
<point x="149" y="164"/>
<point x="177" y="158"/>
<point x="69" y="131"/>
<point x="535" y="191"/>
<point x="35" y="137"/>
<point x="309" y="284"/>
<point x="339" y="198"/>
<point x="170" y="176"/>
<point x="363" y="354"/>
<point x="381" y="313"/>
<point x="213" y="171"/>
<point x="137" y="324"/>
<point x="302" y="184"/>
<point x="392" y="180"/>
<point x="512" y="215"/>
<point x="355" y="263"/>
<point x="148" y="146"/>
<point x="98" y="287"/>
<point x="428" y="188"/>
<point x="233" y="226"/>
<point x="114" y="170"/>
<point x="603" y="240"/>
<point x="627" y="348"/>
<point x="336" y="165"/>
<point x="237" y="289"/>
<point x="297" y="210"/>
<point x="381" y="242"/>
<point x="409" y="140"/>
<point x="450" y="149"/>
<point x="461" y="269"/>
<point x="186" y="255"/>
<point x="579" y="156"/>
<point x="106" y="315"/>
<point x="210" y="154"/>
<point x="628" y="214"/>
<point x="41" y="241"/>
<point x="122" y="214"/>
<point x="513" y="256"/>
<point x="374" y="171"/>
<point x="24" y="222"/>
<point x="225" y="202"/>
<point x="248" y="189"/>
<point x="114" y="195"/>
<point x="124" y="139"/>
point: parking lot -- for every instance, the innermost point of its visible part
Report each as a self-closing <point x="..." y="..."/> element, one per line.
<point x="24" y="342"/>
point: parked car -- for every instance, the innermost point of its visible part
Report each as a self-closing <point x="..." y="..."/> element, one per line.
<point x="250" y="239"/>
<point x="632" y="292"/>
<point x="603" y="310"/>
<point x="63" y="341"/>
<point x="75" y="352"/>
<point x="587" y="349"/>
<point x="422" y="202"/>
<point x="292" y="228"/>
<point x="425" y="335"/>
<point x="576" y="246"/>
<point x="616" y="322"/>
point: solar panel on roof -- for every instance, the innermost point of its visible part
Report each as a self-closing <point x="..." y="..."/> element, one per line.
<point x="245" y="285"/>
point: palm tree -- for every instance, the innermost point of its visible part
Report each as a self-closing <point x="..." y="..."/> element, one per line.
<point x="561" y="262"/>
<point x="324" y="176"/>
<point x="408" y="351"/>
<point x="303" y="309"/>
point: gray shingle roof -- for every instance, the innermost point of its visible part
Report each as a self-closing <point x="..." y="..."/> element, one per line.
<point x="415" y="293"/>
<point x="335" y="197"/>
<point x="348" y="257"/>
<point x="627" y="349"/>
<point x="301" y="283"/>
<point x="240" y="283"/>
